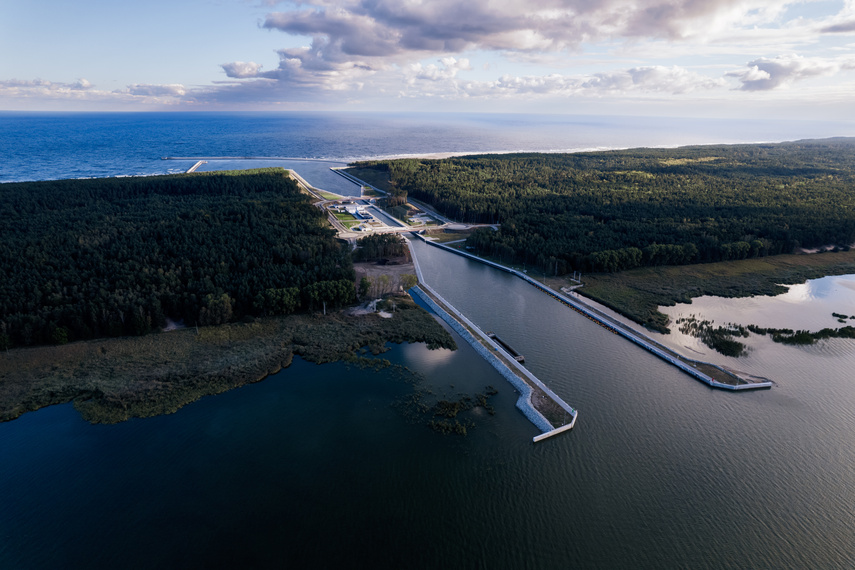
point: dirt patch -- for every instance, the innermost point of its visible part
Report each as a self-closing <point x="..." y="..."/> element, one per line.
<point x="385" y="278"/>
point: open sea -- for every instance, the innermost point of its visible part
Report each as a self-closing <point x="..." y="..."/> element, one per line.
<point x="324" y="466"/>
<point x="50" y="146"/>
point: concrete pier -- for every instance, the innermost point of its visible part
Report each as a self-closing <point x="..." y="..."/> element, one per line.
<point x="195" y="166"/>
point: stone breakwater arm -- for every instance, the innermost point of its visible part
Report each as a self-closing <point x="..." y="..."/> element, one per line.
<point x="524" y="401"/>
<point x="520" y="378"/>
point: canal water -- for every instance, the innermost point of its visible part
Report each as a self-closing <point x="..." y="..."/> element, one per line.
<point x="323" y="466"/>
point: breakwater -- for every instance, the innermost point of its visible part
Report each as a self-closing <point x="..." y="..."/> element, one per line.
<point x="519" y="377"/>
<point x="195" y="166"/>
<point x="687" y="365"/>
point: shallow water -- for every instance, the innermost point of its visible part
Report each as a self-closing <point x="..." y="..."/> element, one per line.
<point x="806" y="306"/>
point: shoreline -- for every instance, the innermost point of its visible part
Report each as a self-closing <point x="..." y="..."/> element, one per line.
<point x="439" y="155"/>
<point x="114" y="379"/>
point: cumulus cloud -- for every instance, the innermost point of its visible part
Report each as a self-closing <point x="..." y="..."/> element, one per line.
<point x="660" y="79"/>
<point x="448" y="69"/>
<point x="145" y="90"/>
<point x="765" y="74"/>
<point x="390" y="28"/>
<point x="352" y="40"/>
<point x="637" y="80"/>
<point x="83" y="92"/>
<point x="39" y="86"/>
<point x="241" y="69"/>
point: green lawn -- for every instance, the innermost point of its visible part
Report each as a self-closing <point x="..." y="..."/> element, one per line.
<point x="343" y="216"/>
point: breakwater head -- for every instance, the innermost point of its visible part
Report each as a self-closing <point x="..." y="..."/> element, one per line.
<point x="534" y="395"/>
<point x="702" y="371"/>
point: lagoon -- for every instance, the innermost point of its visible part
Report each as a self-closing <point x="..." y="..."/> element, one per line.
<point x="322" y="466"/>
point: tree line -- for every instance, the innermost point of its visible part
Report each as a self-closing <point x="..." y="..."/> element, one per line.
<point x="609" y="211"/>
<point x="83" y="259"/>
<point x="380" y="246"/>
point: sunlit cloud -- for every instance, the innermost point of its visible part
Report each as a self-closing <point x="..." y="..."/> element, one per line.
<point x="770" y="73"/>
<point x="339" y="51"/>
<point x="241" y="69"/>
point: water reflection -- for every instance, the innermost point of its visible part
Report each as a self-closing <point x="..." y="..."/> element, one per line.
<point x="806" y="306"/>
<point x="828" y="287"/>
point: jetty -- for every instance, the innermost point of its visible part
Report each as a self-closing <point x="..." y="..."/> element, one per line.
<point x="710" y="374"/>
<point x="536" y="400"/>
<point x="195" y="166"/>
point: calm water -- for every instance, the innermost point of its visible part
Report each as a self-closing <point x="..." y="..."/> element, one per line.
<point x="316" y="466"/>
<point x="807" y="306"/>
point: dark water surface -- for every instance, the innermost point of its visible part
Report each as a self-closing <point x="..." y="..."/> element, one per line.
<point x="667" y="472"/>
<point x="316" y="467"/>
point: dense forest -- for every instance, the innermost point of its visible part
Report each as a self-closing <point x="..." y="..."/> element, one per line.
<point x="380" y="246"/>
<point x="119" y="256"/>
<point x="610" y="211"/>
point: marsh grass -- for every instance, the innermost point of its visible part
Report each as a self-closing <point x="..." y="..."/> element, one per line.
<point x="638" y="294"/>
<point x="112" y="380"/>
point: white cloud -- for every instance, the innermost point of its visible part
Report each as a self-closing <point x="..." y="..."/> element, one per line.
<point x="602" y="49"/>
<point x="241" y="69"/>
<point x="173" y="90"/>
<point x="673" y="80"/>
<point x="82" y="91"/>
<point x="24" y="88"/>
<point x="764" y="74"/>
<point x="448" y="69"/>
<point x="357" y="41"/>
<point x="392" y="28"/>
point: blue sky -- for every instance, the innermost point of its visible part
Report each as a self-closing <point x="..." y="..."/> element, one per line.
<point x="734" y="58"/>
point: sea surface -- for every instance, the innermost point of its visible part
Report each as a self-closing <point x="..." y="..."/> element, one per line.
<point x="49" y="146"/>
<point x="326" y="466"/>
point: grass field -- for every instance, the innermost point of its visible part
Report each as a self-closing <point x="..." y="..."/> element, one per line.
<point x="638" y="294"/>
<point x="343" y="216"/>
<point x="443" y="236"/>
